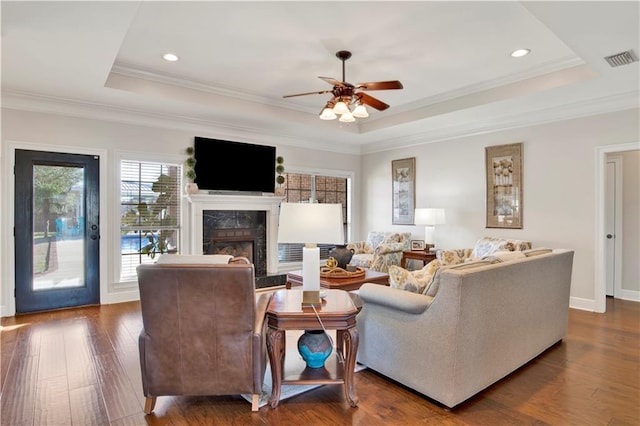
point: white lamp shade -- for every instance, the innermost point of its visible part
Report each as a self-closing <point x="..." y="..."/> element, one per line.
<point x="328" y="114"/>
<point x="429" y="217"/>
<point x="360" y="111"/>
<point x="347" y="117"/>
<point x="311" y="223"/>
<point x="340" y="108"/>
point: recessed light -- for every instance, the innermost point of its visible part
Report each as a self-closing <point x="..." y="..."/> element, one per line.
<point x="170" y="57"/>
<point x="519" y="53"/>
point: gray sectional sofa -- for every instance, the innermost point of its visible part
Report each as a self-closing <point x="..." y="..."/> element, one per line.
<point x="484" y="322"/>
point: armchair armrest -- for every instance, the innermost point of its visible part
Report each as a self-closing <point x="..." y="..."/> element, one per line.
<point x="389" y="248"/>
<point x="261" y="313"/>
<point x="393" y="298"/>
<point x="357" y="246"/>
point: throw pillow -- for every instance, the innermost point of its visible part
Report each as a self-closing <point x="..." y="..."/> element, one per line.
<point x="413" y="281"/>
<point x="179" y="259"/>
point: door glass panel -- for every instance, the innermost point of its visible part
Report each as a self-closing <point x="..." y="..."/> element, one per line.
<point x="58" y="227"/>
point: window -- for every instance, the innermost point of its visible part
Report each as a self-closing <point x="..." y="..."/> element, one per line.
<point x="149" y="213"/>
<point x="325" y="189"/>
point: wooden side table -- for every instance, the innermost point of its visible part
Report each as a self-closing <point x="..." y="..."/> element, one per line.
<point x="285" y="312"/>
<point x="294" y="278"/>
<point x="424" y="256"/>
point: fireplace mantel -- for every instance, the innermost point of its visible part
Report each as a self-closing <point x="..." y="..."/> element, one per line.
<point x="200" y="202"/>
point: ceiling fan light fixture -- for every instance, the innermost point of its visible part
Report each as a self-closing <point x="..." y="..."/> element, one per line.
<point x="347" y="117"/>
<point x="328" y="114"/>
<point x="341" y="108"/>
<point x="360" y="111"/>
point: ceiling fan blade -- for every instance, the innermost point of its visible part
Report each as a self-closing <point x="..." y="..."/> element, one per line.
<point x="380" y="85"/>
<point x="319" y="92"/>
<point x="372" y="102"/>
<point x="332" y="81"/>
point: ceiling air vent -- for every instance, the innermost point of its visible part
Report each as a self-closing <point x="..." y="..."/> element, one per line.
<point x="622" y="58"/>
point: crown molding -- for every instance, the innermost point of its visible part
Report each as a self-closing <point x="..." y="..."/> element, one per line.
<point x="81" y="109"/>
<point x="602" y="105"/>
<point x="31" y="102"/>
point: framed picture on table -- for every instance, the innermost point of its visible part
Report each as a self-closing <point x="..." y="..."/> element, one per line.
<point x="417" y="244"/>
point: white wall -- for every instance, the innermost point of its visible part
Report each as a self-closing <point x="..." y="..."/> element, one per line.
<point x="559" y="187"/>
<point x="32" y="130"/>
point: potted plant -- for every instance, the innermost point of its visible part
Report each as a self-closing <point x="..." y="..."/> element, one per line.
<point x="190" y="172"/>
<point x="280" y="178"/>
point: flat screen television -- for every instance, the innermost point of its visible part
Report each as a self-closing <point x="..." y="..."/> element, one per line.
<point x="234" y="166"/>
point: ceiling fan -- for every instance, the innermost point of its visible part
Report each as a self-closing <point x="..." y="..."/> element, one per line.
<point x="346" y="94"/>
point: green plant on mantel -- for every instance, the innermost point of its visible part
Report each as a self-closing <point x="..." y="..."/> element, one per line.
<point x="280" y="170"/>
<point x="190" y="164"/>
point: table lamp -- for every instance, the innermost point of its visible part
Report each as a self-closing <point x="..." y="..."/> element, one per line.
<point x="429" y="218"/>
<point x="311" y="224"/>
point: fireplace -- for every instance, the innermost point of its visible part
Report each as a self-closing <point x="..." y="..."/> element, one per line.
<point x="237" y="225"/>
<point x="237" y="233"/>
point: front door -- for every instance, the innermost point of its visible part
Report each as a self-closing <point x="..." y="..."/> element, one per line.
<point x="57" y="230"/>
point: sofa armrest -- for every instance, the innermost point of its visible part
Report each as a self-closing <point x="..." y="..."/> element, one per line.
<point x="394" y="298"/>
<point x="454" y="256"/>
<point x="389" y="248"/>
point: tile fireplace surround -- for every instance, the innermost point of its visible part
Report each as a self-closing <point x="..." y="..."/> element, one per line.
<point x="205" y="208"/>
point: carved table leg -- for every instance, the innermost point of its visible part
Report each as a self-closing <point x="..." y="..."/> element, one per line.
<point x="275" y="348"/>
<point x="351" y="339"/>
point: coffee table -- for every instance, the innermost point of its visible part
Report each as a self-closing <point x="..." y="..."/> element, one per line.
<point x="285" y="312"/>
<point x="295" y="279"/>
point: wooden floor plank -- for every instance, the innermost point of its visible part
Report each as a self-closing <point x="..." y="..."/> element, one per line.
<point x="592" y="377"/>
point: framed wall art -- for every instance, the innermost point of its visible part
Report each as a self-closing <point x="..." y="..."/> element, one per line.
<point x="403" y="174"/>
<point x="504" y="185"/>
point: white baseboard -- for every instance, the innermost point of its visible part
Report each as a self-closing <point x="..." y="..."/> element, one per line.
<point x="582" y="304"/>
<point x="122" y="296"/>
<point x="632" y="295"/>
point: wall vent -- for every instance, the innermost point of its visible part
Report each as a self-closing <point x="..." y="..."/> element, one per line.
<point x="622" y="58"/>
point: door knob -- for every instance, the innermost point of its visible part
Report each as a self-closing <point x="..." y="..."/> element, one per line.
<point x="609" y="236"/>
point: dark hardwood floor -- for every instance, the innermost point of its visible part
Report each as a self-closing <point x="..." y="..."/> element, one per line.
<point x="80" y="367"/>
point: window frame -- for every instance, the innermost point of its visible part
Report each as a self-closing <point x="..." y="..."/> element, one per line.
<point x="142" y="157"/>
<point x="349" y="176"/>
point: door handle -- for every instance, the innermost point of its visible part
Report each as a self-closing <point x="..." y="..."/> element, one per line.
<point x="609" y="236"/>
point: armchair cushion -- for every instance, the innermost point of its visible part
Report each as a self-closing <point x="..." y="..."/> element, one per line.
<point x="380" y="250"/>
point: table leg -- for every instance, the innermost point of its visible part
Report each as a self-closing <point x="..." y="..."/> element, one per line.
<point x="275" y="349"/>
<point x="403" y="262"/>
<point x="351" y="339"/>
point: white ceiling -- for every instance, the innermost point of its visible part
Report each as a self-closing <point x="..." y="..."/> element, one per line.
<point x="103" y="59"/>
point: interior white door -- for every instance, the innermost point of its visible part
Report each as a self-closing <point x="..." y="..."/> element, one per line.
<point x="611" y="195"/>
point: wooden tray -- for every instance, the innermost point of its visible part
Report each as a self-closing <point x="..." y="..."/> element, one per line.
<point x="326" y="272"/>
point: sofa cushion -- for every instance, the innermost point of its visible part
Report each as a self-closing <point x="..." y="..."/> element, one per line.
<point x="505" y="256"/>
<point x="434" y="285"/>
<point x="537" y="251"/>
<point x="488" y="245"/>
<point x="413" y="281"/>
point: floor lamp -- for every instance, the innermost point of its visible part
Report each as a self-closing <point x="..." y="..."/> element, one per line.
<point x="311" y="224"/>
<point x="430" y="218"/>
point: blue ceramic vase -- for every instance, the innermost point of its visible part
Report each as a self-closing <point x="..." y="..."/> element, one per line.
<point x="315" y="348"/>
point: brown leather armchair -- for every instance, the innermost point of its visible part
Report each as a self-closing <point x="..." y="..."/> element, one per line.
<point x="203" y="331"/>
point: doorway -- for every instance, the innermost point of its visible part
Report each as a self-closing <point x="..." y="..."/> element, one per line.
<point x="57" y="230"/>
<point x="601" y="239"/>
